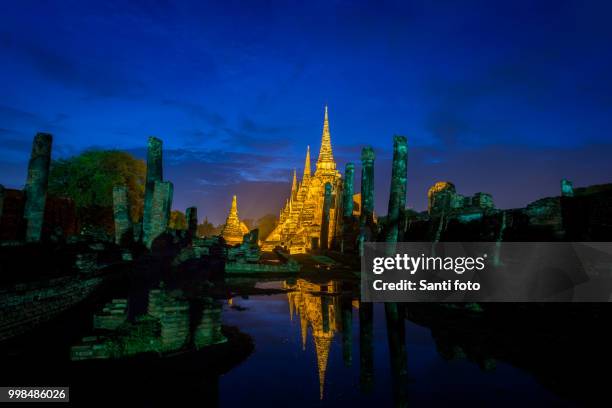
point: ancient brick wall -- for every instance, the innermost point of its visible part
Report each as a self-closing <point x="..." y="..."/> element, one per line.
<point x="12" y="224"/>
<point x="25" y="306"/>
<point x="60" y="216"/>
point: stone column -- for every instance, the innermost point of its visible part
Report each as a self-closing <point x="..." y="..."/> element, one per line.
<point x="325" y="221"/>
<point x="36" y="186"/>
<point x="397" y="197"/>
<point x="367" y="184"/>
<point x="347" y="192"/>
<point x="160" y="210"/>
<point x="367" y="196"/>
<point x="192" y="222"/>
<point x="121" y="213"/>
<point x="394" y="311"/>
<point x="347" y="204"/>
<point x="154" y="174"/>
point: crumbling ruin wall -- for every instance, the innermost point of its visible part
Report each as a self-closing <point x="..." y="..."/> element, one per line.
<point x="28" y="305"/>
<point x="587" y="215"/>
<point x="578" y="214"/>
<point x="545" y="217"/>
<point x="12" y="224"/>
<point x="59" y="220"/>
<point x="121" y="214"/>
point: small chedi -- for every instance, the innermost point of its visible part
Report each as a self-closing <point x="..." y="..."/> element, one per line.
<point x="302" y="221"/>
<point x="233" y="230"/>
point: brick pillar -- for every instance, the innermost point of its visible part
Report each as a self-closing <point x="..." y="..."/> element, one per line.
<point x="154" y="174"/>
<point x="36" y="186"/>
<point x="347" y="192"/>
<point x="367" y="196"/>
<point x="121" y="213"/>
<point x="397" y="197"/>
<point x="347" y="204"/>
<point x="367" y="183"/>
<point x="192" y="222"/>
<point x="394" y="312"/>
<point x="160" y="210"/>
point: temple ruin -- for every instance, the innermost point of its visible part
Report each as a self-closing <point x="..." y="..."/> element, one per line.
<point x="301" y="220"/>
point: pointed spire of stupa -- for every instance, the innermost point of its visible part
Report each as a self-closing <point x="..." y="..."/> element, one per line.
<point x="294" y="185"/>
<point x="307" y="164"/>
<point x="325" y="162"/>
<point x="234" y="209"/>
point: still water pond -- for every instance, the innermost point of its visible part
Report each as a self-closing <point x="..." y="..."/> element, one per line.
<point x="305" y="356"/>
<point x="294" y="343"/>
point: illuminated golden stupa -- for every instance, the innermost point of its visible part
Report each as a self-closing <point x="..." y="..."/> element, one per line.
<point x="234" y="229"/>
<point x="299" y="226"/>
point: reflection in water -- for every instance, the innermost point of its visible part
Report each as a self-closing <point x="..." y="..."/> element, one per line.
<point x="151" y="347"/>
<point x="357" y="345"/>
<point x="186" y="323"/>
<point x="172" y="323"/>
<point x="329" y="313"/>
<point x="318" y="307"/>
<point x="396" y="336"/>
<point x="326" y="310"/>
<point x="366" y="346"/>
<point x="347" y="331"/>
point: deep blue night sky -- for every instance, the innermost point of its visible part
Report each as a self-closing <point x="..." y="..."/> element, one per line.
<point x="504" y="98"/>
